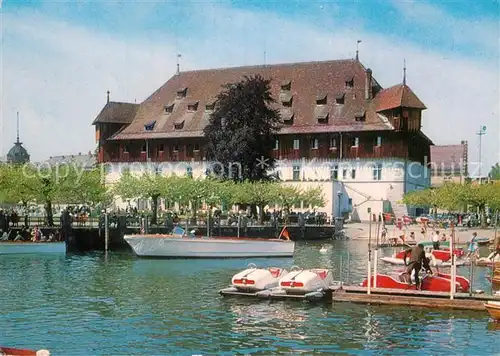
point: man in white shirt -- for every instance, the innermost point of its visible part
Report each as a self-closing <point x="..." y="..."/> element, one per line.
<point x="435" y="240"/>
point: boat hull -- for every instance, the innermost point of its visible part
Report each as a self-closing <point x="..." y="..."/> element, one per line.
<point x="185" y="247"/>
<point x="8" y="248"/>
<point x="493" y="309"/>
<point x="436" y="283"/>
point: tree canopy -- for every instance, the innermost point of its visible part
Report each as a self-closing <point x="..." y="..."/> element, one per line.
<point x="65" y="184"/>
<point x="241" y="130"/>
<point x="495" y="172"/>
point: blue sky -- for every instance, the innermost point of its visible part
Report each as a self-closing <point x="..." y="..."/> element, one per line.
<point x="59" y="58"/>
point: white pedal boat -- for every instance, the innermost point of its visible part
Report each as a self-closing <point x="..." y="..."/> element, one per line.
<point x="303" y="281"/>
<point x="255" y="279"/>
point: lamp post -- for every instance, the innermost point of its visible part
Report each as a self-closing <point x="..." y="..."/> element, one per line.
<point x="339" y="198"/>
<point x="480" y="133"/>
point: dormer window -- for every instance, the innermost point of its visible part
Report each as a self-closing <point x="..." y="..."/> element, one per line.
<point x="340" y="98"/>
<point x="150" y="125"/>
<point x="169" y="108"/>
<point x="286" y="85"/>
<point x="360" y="116"/>
<point x="210" y="107"/>
<point x="287" y="116"/>
<point x="181" y="93"/>
<point x="321" y="113"/>
<point x="192" y="107"/>
<point x="321" y="99"/>
<point x="355" y="141"/>
<point x="286" y="99"/>
<point x="179" y="125"/>
<point x="349" y="82"/>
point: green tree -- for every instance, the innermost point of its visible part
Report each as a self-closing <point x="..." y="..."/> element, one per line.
<point x="241" y="130"/>
<point x="146" y="186"/>
<point x="495" y="172"/>
<point x="313" y="197"/>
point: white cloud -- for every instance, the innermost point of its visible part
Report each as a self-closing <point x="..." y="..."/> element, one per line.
<point x="56" y="74"/>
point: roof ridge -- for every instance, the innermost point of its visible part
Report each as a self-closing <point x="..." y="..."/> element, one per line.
<point x="268" y="65"/>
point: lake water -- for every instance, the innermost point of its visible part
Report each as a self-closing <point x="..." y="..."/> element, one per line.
<point x="120" y="305"/>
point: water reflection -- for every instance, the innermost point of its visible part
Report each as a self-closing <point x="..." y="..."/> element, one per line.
<point x="118" y="304"/>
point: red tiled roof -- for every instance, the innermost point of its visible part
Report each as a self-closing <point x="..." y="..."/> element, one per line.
<point x="449" y="157"/>
<point x="117" y="113"/>
<point x="307" y="81"/>
<point x="398" y="96"/>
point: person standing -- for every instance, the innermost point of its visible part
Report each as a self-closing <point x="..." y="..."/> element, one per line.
<point x="417" y="260"/>
<point x="473" y="246"/>
<point x="435" y="240"/>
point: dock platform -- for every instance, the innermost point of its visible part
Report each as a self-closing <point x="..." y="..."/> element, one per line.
<point x="325" y="295"/>
<point x="427" y="299"/>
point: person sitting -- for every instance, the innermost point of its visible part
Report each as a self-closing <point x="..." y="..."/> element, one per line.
<point x="4" y="236"/>
<point x="417" y="260"/>
<point x="18" y="237"/>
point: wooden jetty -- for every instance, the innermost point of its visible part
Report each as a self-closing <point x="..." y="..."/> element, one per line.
<point x="416" y="298"/>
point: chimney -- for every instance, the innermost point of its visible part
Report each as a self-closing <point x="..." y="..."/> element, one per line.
<point x="108" y="92"/>
<point x="368" y="85"/>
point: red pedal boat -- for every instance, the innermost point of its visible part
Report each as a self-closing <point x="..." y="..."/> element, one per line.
<point x="439" y="282"/>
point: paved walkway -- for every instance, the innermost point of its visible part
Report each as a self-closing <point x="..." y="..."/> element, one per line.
<point x="463" y="234"/>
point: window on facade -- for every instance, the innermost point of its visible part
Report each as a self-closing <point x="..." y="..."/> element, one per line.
<point x="377" y="172"/>
<point x="143" y="148"/>
<point x="175" y="148"/>
<point x="158" y="169"/>
<point x="349" y="83"/>
<point x="189" y="171"/>
<point x="276" y="144"/>
<point x="355" y="141"/>
<point x="296" y="173"/>
<point x="333" y="142"/>
<point x="334" y="172"/>
<point x="125" y="149"/>
<point x="314" y="143"/>
<point x="160" y="147"/>
<point x="196" y="147"/>
<point x="379" y="141"/>
<point x="353" y="173"/>
<point x="296" y="144"/>
<point x="344" y="173"/>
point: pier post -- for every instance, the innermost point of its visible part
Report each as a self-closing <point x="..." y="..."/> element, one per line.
<point x="368" y="291"/>
<point x="453" y="267"/>
<point x="239" y="222"/>
<point x="106" y="232"/>
<point x="375" y="262"/>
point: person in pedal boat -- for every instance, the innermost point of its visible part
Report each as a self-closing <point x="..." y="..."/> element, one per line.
<point x="417" y="260"/>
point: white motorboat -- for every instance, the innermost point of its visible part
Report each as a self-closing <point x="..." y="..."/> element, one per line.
<point x="255" y="279"/>
<point x="303" y="281"/>
<point x="182" y="245"/>
<point x="20" y="247"/>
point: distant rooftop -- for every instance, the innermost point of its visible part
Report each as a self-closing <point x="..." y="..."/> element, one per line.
<point x="87" y="161"/>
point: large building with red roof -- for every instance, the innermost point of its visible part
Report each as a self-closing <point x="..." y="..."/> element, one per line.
<point x="342" y="130"/>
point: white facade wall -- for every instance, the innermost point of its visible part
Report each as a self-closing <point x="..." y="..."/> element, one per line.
<point x="376" y="184"/>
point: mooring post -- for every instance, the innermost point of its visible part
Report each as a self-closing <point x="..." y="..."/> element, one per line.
<point x="471" y="271"/>
<point x="368" y="290"/>
<point x="106" y="232"/>
<point x="348" y="267"/>
<point x="238" y="229"/>
<point x="375" y="263"/>
<point x="453" y="268"/>
<point x="340" y="270"/>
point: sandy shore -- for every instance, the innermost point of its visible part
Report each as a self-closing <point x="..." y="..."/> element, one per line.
<point x="462" y="234"/>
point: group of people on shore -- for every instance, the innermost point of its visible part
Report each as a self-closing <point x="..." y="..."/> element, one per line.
<point x="23" y="234"/>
